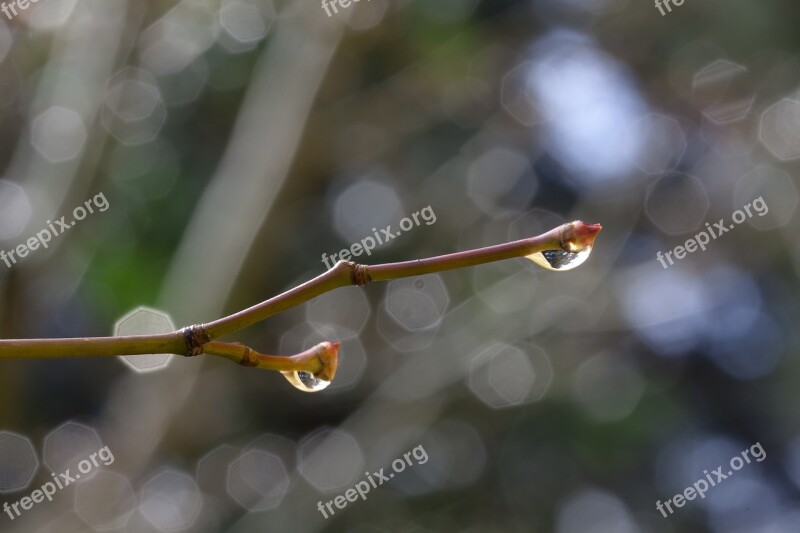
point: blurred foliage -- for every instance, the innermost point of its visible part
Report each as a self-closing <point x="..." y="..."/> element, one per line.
<point x="237" y="141"/>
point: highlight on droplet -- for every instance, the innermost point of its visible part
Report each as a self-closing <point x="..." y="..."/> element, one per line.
<point x="560" y="260"/>
<point x="305" y="381"/>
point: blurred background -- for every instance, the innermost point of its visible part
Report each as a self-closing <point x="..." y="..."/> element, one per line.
<point x="236" y="141"/>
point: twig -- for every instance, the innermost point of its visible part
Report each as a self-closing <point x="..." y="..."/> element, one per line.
<point x="320" y="360"/>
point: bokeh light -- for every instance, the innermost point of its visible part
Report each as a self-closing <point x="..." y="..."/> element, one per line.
<point x="145" y="321"/>
<point x="19" y="462"/>
<point x="240" y="141"/>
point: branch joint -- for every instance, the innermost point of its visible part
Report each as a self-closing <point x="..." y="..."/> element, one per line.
<point x="359" y="274"/>
<point x="195" y="336"/>
<point x="248" y="358"/>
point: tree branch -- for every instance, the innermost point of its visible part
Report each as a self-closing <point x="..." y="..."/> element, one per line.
<point x="568" y="240"/>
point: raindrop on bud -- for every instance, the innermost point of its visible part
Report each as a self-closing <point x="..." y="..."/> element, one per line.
<point x="560" y="260"/>
<point x="328" y="355"/>
<point x="577" y="239"/>
<point x="305" y="381"/>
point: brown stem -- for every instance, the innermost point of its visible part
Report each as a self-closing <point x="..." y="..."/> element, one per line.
<point x="93" y="346"/>
<point x="197" y="339"/>
<point x="321" y="360"/>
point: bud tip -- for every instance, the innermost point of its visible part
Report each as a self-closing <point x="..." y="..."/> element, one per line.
<point x="328" y="353"/>
<point x="578" y="235"/>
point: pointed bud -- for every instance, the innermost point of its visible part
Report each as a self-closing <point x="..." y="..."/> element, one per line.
<point x="579" y="235"/>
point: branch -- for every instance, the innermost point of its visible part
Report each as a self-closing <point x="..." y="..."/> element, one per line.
<point x="561" y="248"/>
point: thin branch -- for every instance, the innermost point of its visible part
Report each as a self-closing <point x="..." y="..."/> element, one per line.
<point x="319" y="360"/>
<point x="93" y="346"/>
<point x="193" y="340"/>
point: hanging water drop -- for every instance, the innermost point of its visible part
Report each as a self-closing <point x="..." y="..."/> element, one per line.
<point x="305" y="381"/>
<point x="328" y="355"/>
<point x="560" y="260"/>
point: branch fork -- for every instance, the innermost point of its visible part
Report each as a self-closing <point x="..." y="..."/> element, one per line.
<point x="314" y="368"/>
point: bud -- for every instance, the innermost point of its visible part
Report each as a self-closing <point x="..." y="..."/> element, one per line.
<point x="577" y="239"/>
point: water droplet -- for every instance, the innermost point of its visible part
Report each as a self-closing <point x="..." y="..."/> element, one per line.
<point x="305" y="381"/>
<point x="560" y="260"/>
